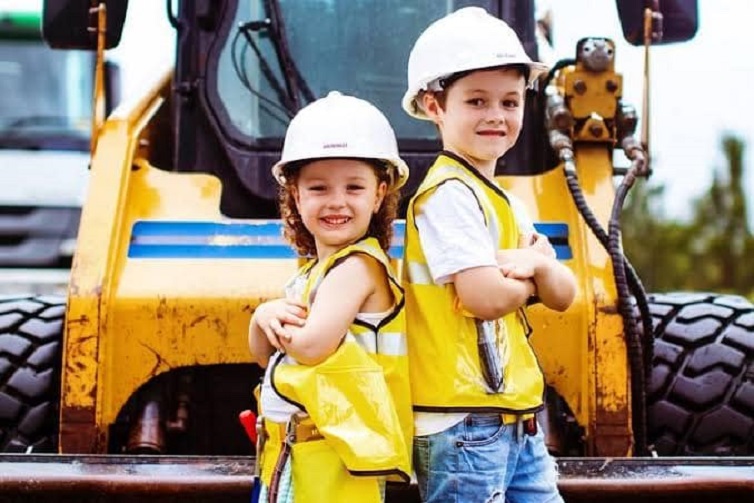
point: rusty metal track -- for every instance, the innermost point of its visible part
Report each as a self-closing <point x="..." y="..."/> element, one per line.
<point x="114" y="478"/>
<point x="686" y="480"/>
<point x="112" y="474"/>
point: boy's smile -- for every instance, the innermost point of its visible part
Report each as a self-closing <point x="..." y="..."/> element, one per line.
<point x="336" y="199"/>
<point x="482" y="116"/>
<point x="491" y="132"/>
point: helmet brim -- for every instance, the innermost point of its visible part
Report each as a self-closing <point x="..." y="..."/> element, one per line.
<point x="413" y="108"/>
<point x="398" y="164"/>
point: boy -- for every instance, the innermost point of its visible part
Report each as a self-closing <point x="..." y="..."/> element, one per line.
<point x="469" y="270"/>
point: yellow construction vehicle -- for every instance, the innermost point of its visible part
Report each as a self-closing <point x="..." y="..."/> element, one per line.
<point x="180" y="240"/>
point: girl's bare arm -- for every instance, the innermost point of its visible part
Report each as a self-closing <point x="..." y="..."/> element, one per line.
<point x="267" y="326"/>
<point x="340" y="296"/>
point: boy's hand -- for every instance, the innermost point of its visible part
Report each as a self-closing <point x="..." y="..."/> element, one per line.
<point x="519" y="263"/>
<point x="272" y="316"/>
<point x="539" y="243"/>
<point x="536" y="260"/>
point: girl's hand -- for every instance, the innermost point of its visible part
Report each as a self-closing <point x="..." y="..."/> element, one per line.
<point x="272" y="316"/>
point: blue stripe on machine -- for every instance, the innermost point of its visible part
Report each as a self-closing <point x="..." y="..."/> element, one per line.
<point x="211" y="251"/>
<point x="261" y="239"/>
<point x="146" y="228"/>
<point x="198" y="240"/>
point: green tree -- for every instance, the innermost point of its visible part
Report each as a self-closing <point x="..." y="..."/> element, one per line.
<point x="720" y="231"/>
<point x="652" y="243"/>
<point x="707" y="254"/>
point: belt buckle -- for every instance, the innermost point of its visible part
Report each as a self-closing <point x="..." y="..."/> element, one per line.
<point x="530" y="426"/>
<point x="291" y="430"/>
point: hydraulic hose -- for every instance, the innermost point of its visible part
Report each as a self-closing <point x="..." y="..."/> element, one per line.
<point x="634" y="281"/>
<point x="633" y="342"/>
<point x="172" y="18"/>
<point x="626" y="279"/>
<point x="264" y="66"/>
<point x="639" y="347"/>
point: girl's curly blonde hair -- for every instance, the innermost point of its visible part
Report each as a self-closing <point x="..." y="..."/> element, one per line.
<point x="380" y="226"/>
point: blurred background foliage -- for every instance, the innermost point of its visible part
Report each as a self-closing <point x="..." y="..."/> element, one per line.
<point x="712" y="251"/>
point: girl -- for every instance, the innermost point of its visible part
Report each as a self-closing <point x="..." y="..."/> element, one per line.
<point x="335" y="396"/>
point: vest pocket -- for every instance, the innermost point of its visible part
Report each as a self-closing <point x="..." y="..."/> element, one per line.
<point x="490" y="359"/>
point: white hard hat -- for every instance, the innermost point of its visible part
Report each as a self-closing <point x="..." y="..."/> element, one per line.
<point x="467" y="39"/>
<point x="341" y="126"/>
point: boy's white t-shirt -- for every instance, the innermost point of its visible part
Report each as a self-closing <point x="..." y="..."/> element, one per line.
<point x="454" y="238"/>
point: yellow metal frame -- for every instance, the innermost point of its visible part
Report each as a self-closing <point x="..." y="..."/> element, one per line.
<point x="98" y="106"/>
<point x="129" y="320"/>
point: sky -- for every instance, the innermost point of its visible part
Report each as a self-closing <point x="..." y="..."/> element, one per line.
<point x="698" y="88"/>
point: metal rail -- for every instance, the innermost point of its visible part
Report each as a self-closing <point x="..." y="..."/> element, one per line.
<point x="115" y="478"/>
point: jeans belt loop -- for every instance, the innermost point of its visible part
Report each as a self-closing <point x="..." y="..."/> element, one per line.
<point x="530" y="426"/>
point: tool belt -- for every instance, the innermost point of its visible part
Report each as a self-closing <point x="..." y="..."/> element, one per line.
<point x="299" y="428"/>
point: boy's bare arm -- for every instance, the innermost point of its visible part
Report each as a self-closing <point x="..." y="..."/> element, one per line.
<point x="555" y="283"/>
<point x="537" y="242"/>
<point x="487" y="294"/>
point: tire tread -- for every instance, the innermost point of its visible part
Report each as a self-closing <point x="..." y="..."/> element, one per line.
<point x="701" y="395"/>
<point x="30" y="343"/>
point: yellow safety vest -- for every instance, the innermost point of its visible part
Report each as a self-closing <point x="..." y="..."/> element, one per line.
<point x="445" y="369"/>
<point x="359" y="397"/>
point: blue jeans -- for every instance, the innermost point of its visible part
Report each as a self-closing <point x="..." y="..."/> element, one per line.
<point x="481" y="460"/>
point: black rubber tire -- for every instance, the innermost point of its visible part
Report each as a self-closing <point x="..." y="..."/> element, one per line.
<point x="701" y="394"/>
<point x="30" y="346"/>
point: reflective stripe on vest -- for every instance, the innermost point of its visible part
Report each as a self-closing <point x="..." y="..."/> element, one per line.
<point x="388" y="343"/>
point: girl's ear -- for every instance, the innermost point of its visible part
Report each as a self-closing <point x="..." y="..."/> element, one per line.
<point x="381" y="191"/>
<point x="295" y="194"/>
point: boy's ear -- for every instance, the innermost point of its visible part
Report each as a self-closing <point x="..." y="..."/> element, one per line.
<point x="430" y="105"/>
